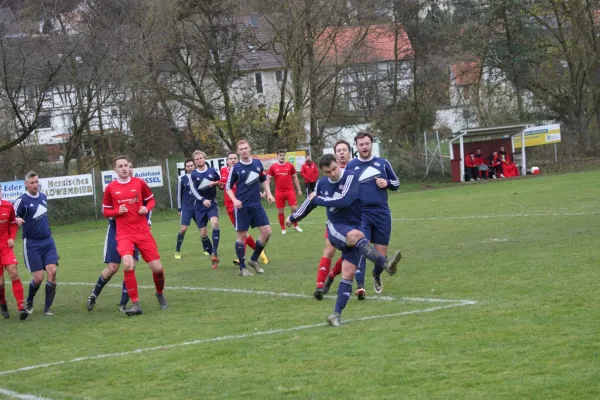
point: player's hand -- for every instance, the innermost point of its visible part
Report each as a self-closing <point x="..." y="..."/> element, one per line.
<point x="221" y="185"/>
<point x="11" y="243"/>
<point x="143" y="210"/>
<point x="381" y="183"/>
<point x="288" y="223"/>
<point x="263" y="195"/>
<point x="19" y="222"/>
<point x="123" y="209"/>
<point x="270" y="199"/>
<point x="237" y="204"/>
<point x="207" y="203"/>
<point x="179" y="213"/>
<point x="312" y="195"/>
<point x="213" y="183"/>
<point x="299" y="192"/>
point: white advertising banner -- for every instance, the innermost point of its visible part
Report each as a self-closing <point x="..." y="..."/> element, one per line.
<point x="153" y="176"/>
<point x="62" y="187"/>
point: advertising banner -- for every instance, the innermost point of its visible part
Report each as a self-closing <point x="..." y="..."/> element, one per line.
<point x="152" y="175"/>
<point x="296" y="158"/>
<point x="12" y="190"/>
<point x="539" y="135"/>
<point x="62" y="187"/>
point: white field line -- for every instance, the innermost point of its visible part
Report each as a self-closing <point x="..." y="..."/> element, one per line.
<point x="225" y="338"/>
<point x="554" y="214"/>
<point x="279" y="294"/>
<point x="15" y="395"/>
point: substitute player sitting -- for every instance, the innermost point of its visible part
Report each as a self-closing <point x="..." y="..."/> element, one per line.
<point x="339" y="190"/>
<point x="284" y="173"/>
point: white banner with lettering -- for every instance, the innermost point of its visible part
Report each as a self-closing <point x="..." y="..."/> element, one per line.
<point x="62" y="187"/>
<point x="152" y="175"/>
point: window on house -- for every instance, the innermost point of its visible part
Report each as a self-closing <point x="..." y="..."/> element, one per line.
<point x="114" y="112"/>
<point x="259" y="82"/>
<point x="279" y="76"/>
<point x="44" y="121"/>
<point x="254" y="21"/>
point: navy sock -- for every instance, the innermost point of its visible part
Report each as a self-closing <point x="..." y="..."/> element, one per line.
<point x="360" y="273"/>
<point x="124" y="296"/>
<point x="207" y="245"/>
<point x="215" y="240"/>
<point x="257" y="250"/>
<point x="50" y="293"/>
<point x="369" y="251"/>
<point x="100" y="285"/>
<point x="343" y="295"/>
<point x="33" y="288"/>
<point x="240" y="250"/>
<point x="180" y="237"/>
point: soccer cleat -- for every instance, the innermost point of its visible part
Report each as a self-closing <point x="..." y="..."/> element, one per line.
<point x="391" y="264"/>
<point x="236" y="262"/>
<point x="206" y="253"/>
<point x="91" y="302"/>
<point x="283" y="232"/>
<point x="215" y="261"/>
<point x="49" y="312"/>
<point x="334" y="319"/>
<point x="23" y="314"/>
<point x="257" y="268"/>
<point x="29" y="308"/>
<point x="360" y="293"/>
<point x="318" y="293"/>
<point x="122" y="307"/>
<point x="298" y="229"/>
<point x="245" y="272"/>
<point x="135" y="309"/>
<point x="263" y="258"/>
<point x="162" y="301"/>
<point x="177" y="255"/>
<point x="377" y="284"/>
<point x="327" y="284"/>
<point x="501" y="175"/>
<point x="4" y="311"/>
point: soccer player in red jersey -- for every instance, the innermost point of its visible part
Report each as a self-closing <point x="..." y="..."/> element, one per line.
<point x="232" y="159"/>
<point x="284" y="173"/>
<point x="8" y="261"/>
<point x="123" y="200"/>
<point x="326" y="275"/>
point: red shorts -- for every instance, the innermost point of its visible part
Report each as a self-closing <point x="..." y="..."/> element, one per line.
<point x="143" y="241"/>
<point x="7" y="257"/>
<point x="281" y="198"/>
<point x="231" y="214"/>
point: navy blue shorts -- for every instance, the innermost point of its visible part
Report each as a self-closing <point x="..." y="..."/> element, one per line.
<point x="247" y="217"/>
<point x="111" y="255"/>
<point x="187" y="215"/>
<point x="203" y="214"/>
<point x="337" y="237"/>
<point x="377" y="225"/>
<point x="39" y="253"/>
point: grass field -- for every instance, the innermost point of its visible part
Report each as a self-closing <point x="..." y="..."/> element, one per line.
<point x="525" y="253"/>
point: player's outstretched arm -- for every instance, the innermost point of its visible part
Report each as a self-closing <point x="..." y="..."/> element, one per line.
<point x="302" y="211"/>
<point x="349" y="194"/>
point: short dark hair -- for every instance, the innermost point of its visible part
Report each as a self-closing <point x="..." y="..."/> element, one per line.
<point x="342" y="141"/>
<point x="279" y="151"/>
<point x="189" y="160"/>
<point x="232" y="152"/>
<point x="31" y="174"/>
<point x="363" y="134"/>
<point x="326" y="160"/>
<point x="117" y="158"/>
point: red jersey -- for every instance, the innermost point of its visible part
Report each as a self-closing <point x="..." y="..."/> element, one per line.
<point x="8" y="224"/>
<point x="309" y="172"/>
<point x="224" y="175"/>
<point x="282" y="173"/>
<point x="133" y="194"/>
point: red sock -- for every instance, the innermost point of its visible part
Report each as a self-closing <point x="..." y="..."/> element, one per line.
<point x="337" y="268"/>
<point x="159" y="281"/>
<point x="131" y="285"/>
<point x="296" y="224"/>
<point x="17" y="288"/>
<point x="281" y="221"/>
<point x="250" y="242"/>
<point x="2" y="295"/>
<point x="324" y="267"/>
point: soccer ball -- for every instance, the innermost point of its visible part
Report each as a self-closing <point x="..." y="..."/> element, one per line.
<point x="535" y="170"/>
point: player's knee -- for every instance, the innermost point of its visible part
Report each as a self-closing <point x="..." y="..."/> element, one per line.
<point x="348" y="270"/>
<point x="51" y="270"/>
<point x="38" y="277"/>
<point x="13" y="272"/>
<point x="183" y="229"/>
<point x="112" y="269"/>
<point x="280" y="211"/>
<point x="353" y="237"/>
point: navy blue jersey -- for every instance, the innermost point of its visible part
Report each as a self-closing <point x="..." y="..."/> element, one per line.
<point x="200" y="184"/>
<point x="247" y="179"/>
<point x="185" y="197"/>
<point x="341" y="199"/>
<point x="367" y="172"/>
<point x="34" y="211"/>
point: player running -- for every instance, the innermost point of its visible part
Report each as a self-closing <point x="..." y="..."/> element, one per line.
<point x="338" y="190"/>
<point x="39" y="249"/>
<point x="186" y="203"/>
<point x="8" y="261"/>
<point x="284" y="173"/>
<point x="123" y="199"/>
<point x="232" y="159"/>
<point x="247" y="176"/>
<point x="203" y="182"/>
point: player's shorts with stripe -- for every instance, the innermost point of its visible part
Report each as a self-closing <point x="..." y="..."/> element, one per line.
<point x="247" y="217"/>
<point x="187" y="215"/>
<point x="127" y="244"/>
<point x="111" y="255"/>
<point x="337" y="237"/>
<point x="281" y="198"/>
<point x="203" y="214"/>
<point x="7" y="257"/>
<point x="377" y="225"/>
<point x="38" y="253"/>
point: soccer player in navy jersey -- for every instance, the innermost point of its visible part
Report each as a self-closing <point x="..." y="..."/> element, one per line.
<point x="338" y="190"/>
<point x="186" y="203"/>
<point x="39" y="249"/>
<point x="248" y="175"/>
<point x="204" y="181"/>
<point x="376" y="176"/>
